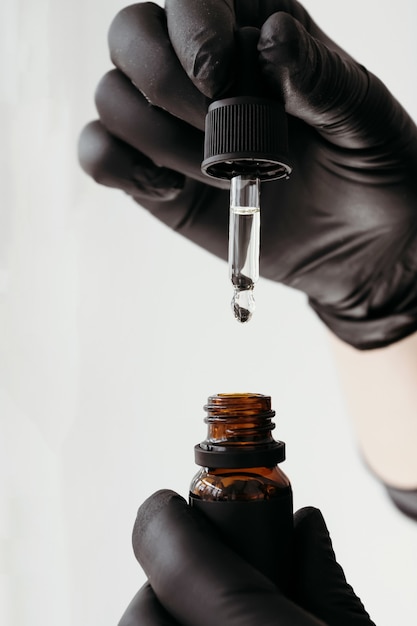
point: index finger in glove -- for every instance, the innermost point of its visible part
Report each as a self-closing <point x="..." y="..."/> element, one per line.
<point x="320" y="584"/>
<point x="197" y="578"/>
<point x="329" y="91"/>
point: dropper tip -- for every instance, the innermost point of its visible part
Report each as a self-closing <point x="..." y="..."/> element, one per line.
<point x="243" y="305"/>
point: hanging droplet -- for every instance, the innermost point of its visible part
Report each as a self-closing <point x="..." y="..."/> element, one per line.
<point x="243" y="304"/>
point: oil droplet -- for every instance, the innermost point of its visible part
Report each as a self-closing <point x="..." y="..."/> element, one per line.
<point x="243" y="304"/>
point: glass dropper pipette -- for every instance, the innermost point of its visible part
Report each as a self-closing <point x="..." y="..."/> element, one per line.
<point x="246" y="143"/>
<point x="244" y="243"/>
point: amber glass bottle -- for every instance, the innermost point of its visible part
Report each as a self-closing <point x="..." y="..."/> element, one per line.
<point x="240" y="487"/>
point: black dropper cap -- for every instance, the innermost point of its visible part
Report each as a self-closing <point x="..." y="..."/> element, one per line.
<point x="246" y="134"/>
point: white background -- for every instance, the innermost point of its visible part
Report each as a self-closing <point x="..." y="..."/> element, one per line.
<point x="114" y="331"/>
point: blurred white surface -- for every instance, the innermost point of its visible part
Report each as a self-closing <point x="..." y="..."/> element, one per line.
<point x="106" y="359"/>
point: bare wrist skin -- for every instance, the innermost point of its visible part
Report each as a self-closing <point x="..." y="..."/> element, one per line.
<point x="381" y="394"/>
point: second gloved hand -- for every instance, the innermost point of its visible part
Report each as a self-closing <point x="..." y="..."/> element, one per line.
<point x="343" y="228"/>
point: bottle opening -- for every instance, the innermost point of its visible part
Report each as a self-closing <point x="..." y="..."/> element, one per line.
<point x="238" y="405"/>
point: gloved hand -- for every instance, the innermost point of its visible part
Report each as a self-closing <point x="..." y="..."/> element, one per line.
<point x="343" y="228"/>
<point x="195" y="580"/>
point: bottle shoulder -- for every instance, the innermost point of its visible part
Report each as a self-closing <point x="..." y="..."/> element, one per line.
<point x="255" y="483"/>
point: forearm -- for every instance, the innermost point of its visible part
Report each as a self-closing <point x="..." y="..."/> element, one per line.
<point x="381" y="393"/>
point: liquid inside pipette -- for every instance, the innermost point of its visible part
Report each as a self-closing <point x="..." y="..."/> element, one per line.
<point x="244" y="240"/>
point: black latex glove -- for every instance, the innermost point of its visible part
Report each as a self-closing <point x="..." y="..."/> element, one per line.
<point x="343" y="229"/>
<point x="195" y="580"/>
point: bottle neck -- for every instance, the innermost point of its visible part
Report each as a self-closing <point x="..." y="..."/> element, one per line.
<point x="239" y="419"/>
<point x="239" y="433"/>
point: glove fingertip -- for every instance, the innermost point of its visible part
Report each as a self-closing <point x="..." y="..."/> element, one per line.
<point x="149" y="510"/>
<point x="202" y="34"/>
<point x="312" y="532"/>
<point x="283" y="40"/>
<point x="92" y="148"/>
<point x="312" y="518"/>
